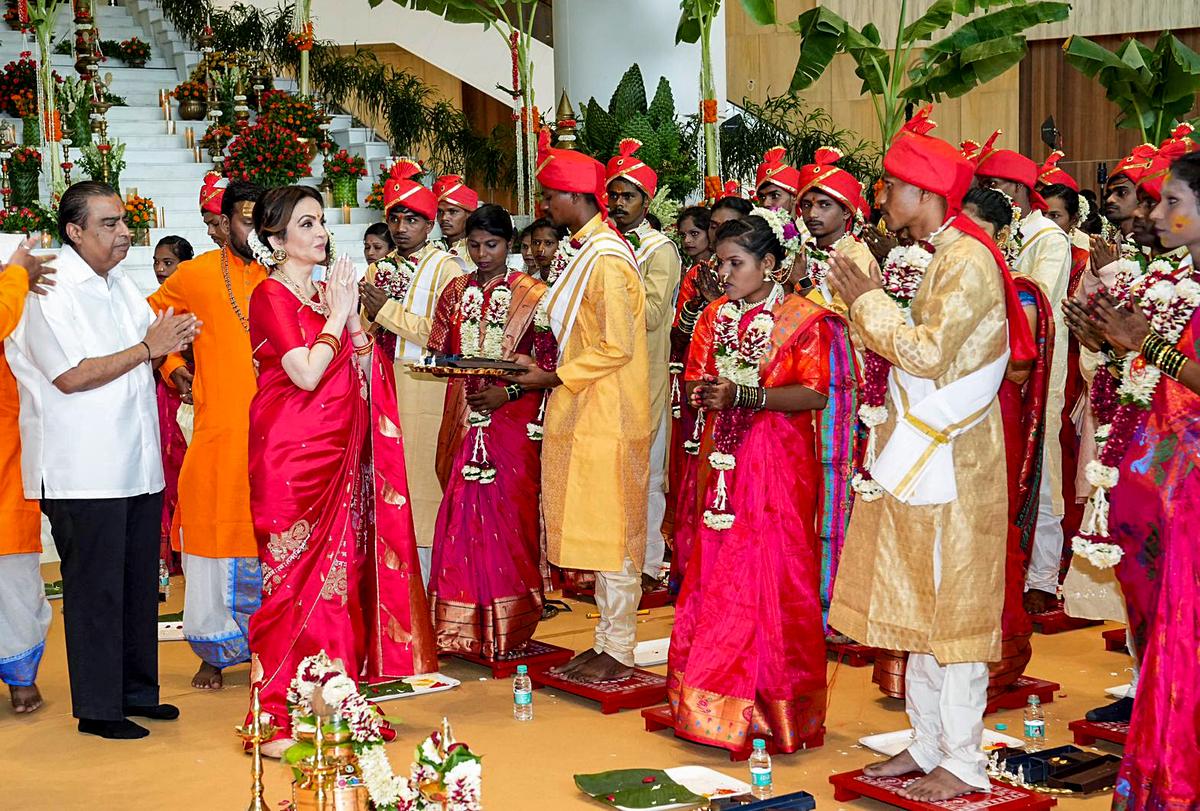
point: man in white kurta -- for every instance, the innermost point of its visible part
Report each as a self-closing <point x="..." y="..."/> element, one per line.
<point x="631" y="186"/>
<point x="1043" y="255"/>
<point x="406" y="310"/>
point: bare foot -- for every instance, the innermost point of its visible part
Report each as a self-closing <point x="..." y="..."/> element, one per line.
<point x="576" y="663"/>
<point x="835" y="638"/>
<point x="937" y="786"/>
<point x="275" y="749"/>
<point x="649" y="583"/>
<point x="903" y="763"/>
<point x="25" y="699"/>
<point x="1039" y="602"/>
<point x="208" y="677"/>
<point x="601" y="668"/>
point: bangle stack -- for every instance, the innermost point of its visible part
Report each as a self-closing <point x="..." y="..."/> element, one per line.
<point x="689" y="314"/>
<point x="366" y="348"/>
<point x="1161" y="354"/>
<point x="751" y="397"/>
<point x="330" y="341"/>
<point x="514" y="391"/>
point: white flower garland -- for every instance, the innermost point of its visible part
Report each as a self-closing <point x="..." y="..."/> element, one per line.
<point x="737" y="357"/>
<point x="394" y="277"/>
<point x="262" y="252"/>
<point x="786" y="232"/>
<point x="491" y="346"/>
<point x="567" y="250"/>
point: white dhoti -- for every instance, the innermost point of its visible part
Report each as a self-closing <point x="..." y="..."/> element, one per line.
<point x="656" y="502"/>
<point x="1045" y="558"/>
<point x="617" y="598"/>
<point x="219" y="596"/>
<point x="24" y="618"/>
<point x="945" y="705"/>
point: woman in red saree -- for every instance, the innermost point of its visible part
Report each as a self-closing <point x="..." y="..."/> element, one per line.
<point x="1155" y="506"/>
<point x="485" y="586"/>
<point x="747" y="655"/>
<point x="328" y="490"/>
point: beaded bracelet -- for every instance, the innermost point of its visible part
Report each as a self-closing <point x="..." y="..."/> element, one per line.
<point x="514" y="391"/>
<point x="330" y="341"/>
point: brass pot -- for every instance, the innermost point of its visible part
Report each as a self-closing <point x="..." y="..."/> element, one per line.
<point x="346" y="798"/>
<point x="192" y="109"/>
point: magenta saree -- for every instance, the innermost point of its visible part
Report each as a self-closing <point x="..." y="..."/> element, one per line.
<point x="1155" y="516"/>
<point x="748" y="649"/>
<point x="485" y="585"/>
<point x="329" y="498"/>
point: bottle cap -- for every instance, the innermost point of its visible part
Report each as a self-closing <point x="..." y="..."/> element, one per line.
<point x="1001" y="727"/>
<point x="522" y="669"/>
<point x="759" y="743"/>
<point x="1034" y="700"/>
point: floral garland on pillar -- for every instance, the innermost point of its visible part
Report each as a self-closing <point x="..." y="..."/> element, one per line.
<point x="485" y="343"/>
<point x="903" y="271"/>
<point x="1168" y="296"/>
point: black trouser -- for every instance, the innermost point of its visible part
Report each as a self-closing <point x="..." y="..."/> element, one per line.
<point x="109" y="549"/>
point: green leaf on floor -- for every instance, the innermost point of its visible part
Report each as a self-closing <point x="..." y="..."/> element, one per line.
<point x="387" y="688"/>
<point x="176" y="617"/>
<point x="54" y="589"/>
<point x="635" y="788"/>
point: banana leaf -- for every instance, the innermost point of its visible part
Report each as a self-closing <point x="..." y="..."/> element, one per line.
<point x="456" y="11"/>
<point x="761" y="12"/>
<point x="998" y="25"/>
<point x="955" y="74"/>
<point x="941" y="12"/>
<point x="823" y="35"/>
<point x="629" y="788"/>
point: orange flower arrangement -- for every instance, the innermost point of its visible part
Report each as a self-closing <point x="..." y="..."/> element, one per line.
<point x="139" y="212"/>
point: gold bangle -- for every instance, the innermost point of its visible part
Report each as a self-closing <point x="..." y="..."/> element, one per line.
<point x="330" y="341"/>
<point x="366" y="348"/>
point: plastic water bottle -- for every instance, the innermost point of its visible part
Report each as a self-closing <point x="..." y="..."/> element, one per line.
<point x="522" y="695"/>
<point x="164" y="582"/>
<point x="760" y="771"/>
<point x="1035" y="725"/>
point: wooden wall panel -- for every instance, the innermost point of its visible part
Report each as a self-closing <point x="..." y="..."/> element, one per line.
<point x="485" y="114"/>
<point x="1086" y="119"/>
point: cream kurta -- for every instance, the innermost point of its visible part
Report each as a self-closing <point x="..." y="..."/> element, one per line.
<point x="420" y="397"/>
<point x="596" y="443"/>
<point x="660" y="267"/>
<point x="884" y="595"/>
<point x="1045" y="258"/>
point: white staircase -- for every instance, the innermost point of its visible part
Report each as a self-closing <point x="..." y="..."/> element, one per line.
<point x="158" y="164"/>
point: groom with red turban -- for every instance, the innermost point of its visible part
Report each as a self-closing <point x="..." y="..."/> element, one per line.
<point x="596" y="445"/>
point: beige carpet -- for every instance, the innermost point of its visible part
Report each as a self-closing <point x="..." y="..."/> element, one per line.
<point x="197" y="762"/>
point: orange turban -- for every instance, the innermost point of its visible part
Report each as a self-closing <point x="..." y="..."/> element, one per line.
<point x="212" y="192"/>
<point x="402" y="189"/>
<point x="624" y="165"/>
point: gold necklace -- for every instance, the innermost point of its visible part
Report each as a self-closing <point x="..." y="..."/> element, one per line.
<point x="319" y="306"/>
<point x="237" y="310"/>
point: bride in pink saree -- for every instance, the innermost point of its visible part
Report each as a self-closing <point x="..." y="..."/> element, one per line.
<point x="747" y="656"/>
<point x="328" y="489"/>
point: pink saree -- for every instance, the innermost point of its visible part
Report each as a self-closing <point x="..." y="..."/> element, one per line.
<point x="329" y="498"/>
<point x="1155" y="516"/>
<point x="748" y="649"/>
<point x="485" y="586"/>
<point x="174" y="445"/>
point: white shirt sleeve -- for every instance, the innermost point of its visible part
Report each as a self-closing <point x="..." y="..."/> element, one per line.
<point x="51" y="339"/>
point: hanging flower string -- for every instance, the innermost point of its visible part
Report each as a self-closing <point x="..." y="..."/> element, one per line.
<point x="742" y="336"/>
<point x="483" y="343"/>
<point x="545" y="355"/>
<point x="903" y="271"/>
<point x="1168" y="296"/>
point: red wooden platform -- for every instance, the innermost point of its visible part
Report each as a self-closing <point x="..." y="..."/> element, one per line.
<point x="656" y="598"/>
<point x="1115" y="639"/>
<point x="660" y="718"/>
<point x="851" y="653"/>
<point x="642" y="689"/>
<point x="1003" y="797"/>
<point x="1088" y="732"/>
<point x="1017" y="696"/>
<point x="1055" y="621"/>
<point x="535" y="655"/>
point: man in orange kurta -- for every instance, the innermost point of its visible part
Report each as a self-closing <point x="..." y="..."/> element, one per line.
<point x="24" y="612"/>
<point x="212" y="526"/>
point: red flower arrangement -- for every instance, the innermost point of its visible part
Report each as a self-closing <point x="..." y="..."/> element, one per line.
<point x="18" y="86"/>
<point x="25" y="158"/>
<point x="293" y="113"/>
<point x="343" y="164"/>
<point x="302" y="41"/>
<point x="267" y="155"/>
<point x="12" y="16"/>
<point x="216" y="137"/>
<point x="196" y="91"/>
<point x="134" y="52"/>
<point x="23" y="220"/>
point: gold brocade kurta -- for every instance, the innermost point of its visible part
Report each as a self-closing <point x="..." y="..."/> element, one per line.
<point x="1045" y="258"/>
<point x="420" y="397"/>
<point x="660" y="267"/>
<point x="858" y="253"/>
<point x="885" y="595"/>
<point x="596" y="444"/>
<point x="20" y="518"/>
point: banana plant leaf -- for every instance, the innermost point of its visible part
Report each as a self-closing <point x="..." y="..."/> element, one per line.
<point x="692" y="12"/>
<point x="823" y="35"/>
<point x="998" y="25"/>
<point x="956" y="74"/>
<point x="941" y="12"/>
<point x="456" y="11"/>
<point x="635" y="788"/>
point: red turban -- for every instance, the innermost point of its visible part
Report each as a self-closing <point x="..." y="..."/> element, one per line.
<point x="1135" y="164"/>
<point x="212" y="192"/>
<point x="401" y="189"/>
<point x="571" y="171"/>
<point x="1005" y="164"/>
<point x="453" y="189"/>
<point x="1050" y="174"/>
<point x="773" y="169"/>
<point x="1175" y="147"/>
<point x="624" y="165"/>
<point x="929" y="163"/>
<point x="730" y="189"/>
<point x="825" y="176"/>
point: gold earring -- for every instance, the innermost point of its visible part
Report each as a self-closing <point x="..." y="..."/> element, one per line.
<point x="279" y="255"/>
